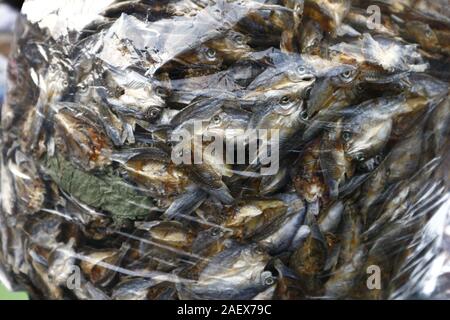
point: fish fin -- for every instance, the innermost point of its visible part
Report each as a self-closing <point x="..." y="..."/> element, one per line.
<point x="222" y="193"/>
<point x="186" y="203"/>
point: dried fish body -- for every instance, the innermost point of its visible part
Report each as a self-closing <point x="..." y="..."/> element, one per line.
<point x="289" y="72"/>
<point x="355" y="109"/>
<point x="235" y="273"/>
<point x="152" y="171"/>
<point x="333" y="160"/>
<point x="29" y="187"/>
<point x="438" y="128"/>
<point x="272" y="223"/>
<point x="309" y="258"/>
<point x="307" y="177"/>
<point x="361" y="141"/>
<point x="171" y="233"/>
<point x="285" y="116"/>
<point x="132" y="289"/>
<point x="391" y="55"/>
<point x="329" y="14"/>
<point x="288" y="228"/>
<point x="100" y="266"/>
<point x="132" y="94"/>
<point x="80" y="138"/>
<point x="311" y="37"/>
<point x="334" y="89"/>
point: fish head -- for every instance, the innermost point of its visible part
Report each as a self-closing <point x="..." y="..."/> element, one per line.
<point x="422" y="33"/>
<point x="311" y="37"/>
<point x="77" y="135"/>
<point x="228" y="122"/>
<point x="171" y="233"/>
<point x="301" y="72"/>
<point x="328" y="13"/>
<point x="203" y="56"/>
<point x="371" y="164"/>
<point x="58" y="78"/>
<point x="296" y="78"/>
<point x="210" y="240"/>
<point x="284" y="112"/>
<point x="343" y="76"/>
<point x="364" y="140"/>
<point x="331" y="88"/>
<point x="237" y="272"/>
<point x="230" y="48"/>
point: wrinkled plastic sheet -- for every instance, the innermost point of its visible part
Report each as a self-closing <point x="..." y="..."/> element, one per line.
<point x="93" y="207"/>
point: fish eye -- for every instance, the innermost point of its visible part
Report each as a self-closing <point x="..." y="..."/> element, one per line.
<point x="285" y="100"/>
<point x="65" y="83"/>
<point x="269" y="281"/>
<point x="301" y="69"/>
<point x="359" y="87"/>
<point x="84" y="88"/>
<point x="119" y="91"/>
<point x="416" y="60"/>
<point x="211" y="53"/>
<point x="347" y="74"/>
<point x="307" y="92"/>
<point x="216" y="232"/>
<point x="216" y="119"/>
<point x="388" y="172"/>
<point x="267" y="278"/>
<point x="239" y="39"/>
<point x="314" y="42"/>
<point x="378" y="158"/>
<point x="160" y="92"/>
<point x="346" y="135"/>
<point x="258" y="250"/>
<point x="304" y="115"/>
<point x="360" y="157"/>
<point x="153" y="113"/>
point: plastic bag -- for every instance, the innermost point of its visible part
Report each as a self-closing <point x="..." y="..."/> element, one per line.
<point x="278" y="149"/>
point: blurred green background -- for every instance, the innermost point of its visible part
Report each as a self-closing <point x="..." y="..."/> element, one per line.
<point x="7" y="295"/>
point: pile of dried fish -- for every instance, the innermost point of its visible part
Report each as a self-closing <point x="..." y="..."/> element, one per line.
<point x="344" y="202"/>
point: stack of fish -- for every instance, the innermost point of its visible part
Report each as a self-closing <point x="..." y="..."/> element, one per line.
<point x="353" y="97"/>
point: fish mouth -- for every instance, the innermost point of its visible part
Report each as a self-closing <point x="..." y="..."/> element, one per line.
<point x="289" y="109"/>
<point x="306" y="77"/>
<point x="309" y="77"/>
<point x="379" y="77"/>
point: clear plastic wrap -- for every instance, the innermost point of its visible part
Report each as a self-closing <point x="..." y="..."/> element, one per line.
<point x="3" y="66"/>
<point x="252" y="149"/>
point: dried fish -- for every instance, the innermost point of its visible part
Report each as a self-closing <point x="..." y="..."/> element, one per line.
<point x="263" y="149"/>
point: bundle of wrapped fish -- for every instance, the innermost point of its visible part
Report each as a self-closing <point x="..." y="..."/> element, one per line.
<point x="227" y="149"/>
